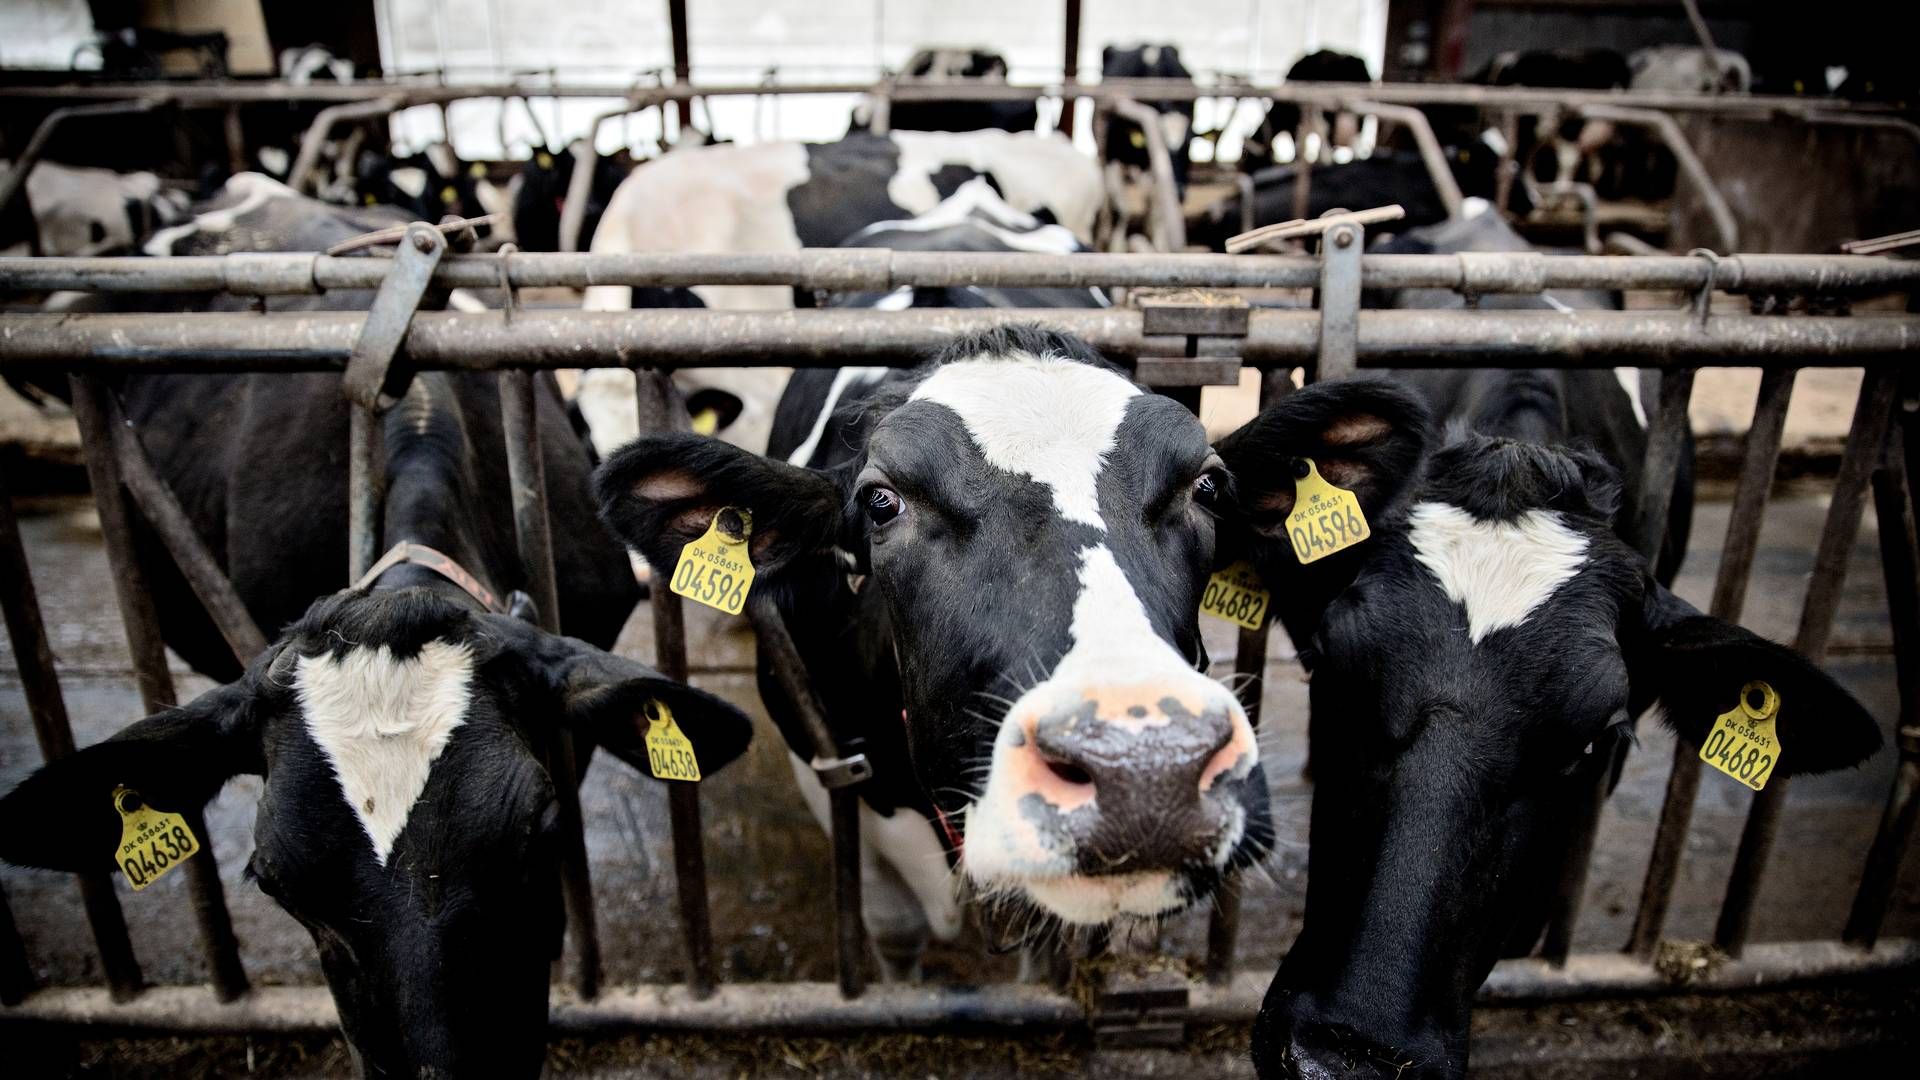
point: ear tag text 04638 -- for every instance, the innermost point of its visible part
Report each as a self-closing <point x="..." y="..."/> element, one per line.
<point x="1325" y="519"/>
<point x="1744" y="742"/>
<point x="152" y="842"/>
<point x="1236" y="593"/>
<point x="669" y="751"/>
<point x="715" y="569"/>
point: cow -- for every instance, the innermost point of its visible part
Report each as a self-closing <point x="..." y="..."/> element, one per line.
<point x="951" y="65"/>
<point x="991" y="564"/>
<point x="402" y="723"/>
<point x="783" y="196"/>
<point x="539" y="193"/>
<point x="1283" y="117"/>
<point x="1477" y="668"/>
<point x="1689" y="68"/>
<point x="77" y="210"/>
<point x="430" y="184"/>
<point x="1123" y="140"/>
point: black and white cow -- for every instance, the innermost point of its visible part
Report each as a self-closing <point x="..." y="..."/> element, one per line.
<point x="1124" y="141"/>
<point x="408" y="819"/>
<point x="1027" y="535"/>
<point x="539" y="192"/>
<point x="951" y="65"/>
<point x="77" y="210"/>
<point x="783" y="196"/>
<point x="1283" y="117"/>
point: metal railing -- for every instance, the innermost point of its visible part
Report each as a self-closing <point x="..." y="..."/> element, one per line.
<point x="1182" y="348"/>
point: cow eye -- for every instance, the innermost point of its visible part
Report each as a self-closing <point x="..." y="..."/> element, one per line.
<point x="1208" y="488"/>
<point x="883" y="505"/>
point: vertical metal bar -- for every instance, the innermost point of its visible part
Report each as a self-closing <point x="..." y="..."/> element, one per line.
<point x="1864" y="442"/>
<point x="236" y="135"/>
<point x="366" y="483"/>
<point x="1729" y="597"/>
<point x="163" y="512"/>
<point x="149" y="653"/>
<point x="661" y="411"/>
<point x="1665" y="443"/>
<point x="682" y="65"/>
<point x="1070" y="65"/>
<point x="1900" y="559"/>
<point x="41" y="685"/>
<point x="1340" y="249"/>
<point x="527" y="477"/>
<point x="16" y="975"/>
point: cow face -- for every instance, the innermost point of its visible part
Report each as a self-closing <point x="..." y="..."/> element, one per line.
<point x="1472" y="689"/>
<point x="407" y="820"/>
<point x="1036" y="533"/>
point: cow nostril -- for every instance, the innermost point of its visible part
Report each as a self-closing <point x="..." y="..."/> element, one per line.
<point x="1071" y="773"/>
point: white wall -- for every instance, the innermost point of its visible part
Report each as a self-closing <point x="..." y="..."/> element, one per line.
<point x="732" y="41"/>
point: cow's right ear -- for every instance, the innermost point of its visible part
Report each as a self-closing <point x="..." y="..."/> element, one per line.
<point x="1366" y="435"/>
<point x="660" y="493"/>
<point x="63" y="816"/>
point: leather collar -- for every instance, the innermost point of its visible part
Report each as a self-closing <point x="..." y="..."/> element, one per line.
<point x="440" y="563"/>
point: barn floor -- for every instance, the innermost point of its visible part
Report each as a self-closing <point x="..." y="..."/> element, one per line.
<point x="772" y="906"/>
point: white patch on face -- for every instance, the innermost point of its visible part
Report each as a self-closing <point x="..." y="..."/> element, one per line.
<point x="843" y="379"/>
<point x="1090" y="901"/>
<point x="410" y="179"/>
<point x="382" y="722"/>
<point x="1499" y="571"/>
<point x="1050" y="419"/>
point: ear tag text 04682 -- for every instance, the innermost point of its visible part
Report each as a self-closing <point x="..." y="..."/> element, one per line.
<point x="669" y="751"/>
<point x="152" y="842"/>
<point x="1236" y="593"/>
<point x="1744" y="742"/>
<point x="1325" y="519"/>
<point x="715" y="569"/>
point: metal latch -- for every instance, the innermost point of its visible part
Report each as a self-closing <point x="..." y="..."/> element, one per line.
<point x="371" y="380"/>
<point x="1194" y="337"/>
<point x="845" y="770"/>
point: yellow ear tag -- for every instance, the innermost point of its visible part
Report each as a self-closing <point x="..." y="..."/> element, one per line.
<point x="1325" y="518"/>
<point x="151" y="842"/>
<point x="706" y="422"/>
<point x="477" y="171"/>
<point x="1742" y="742"/>
<point x="543" y="159"/>
<point x="669" y="751"/>
<point x="715" y="570"/>
<point x="448" y="195"/>
<point x="1236" y="593"/>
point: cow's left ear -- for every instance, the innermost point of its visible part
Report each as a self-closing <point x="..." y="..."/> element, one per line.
<point x="660" y="493"/>
<point x="1697" y="665"/>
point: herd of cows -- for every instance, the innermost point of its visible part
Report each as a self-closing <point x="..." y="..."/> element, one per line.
<point x="992" y="562"/>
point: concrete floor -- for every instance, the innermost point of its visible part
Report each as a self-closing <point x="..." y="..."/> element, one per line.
<point x="771" y="902"/>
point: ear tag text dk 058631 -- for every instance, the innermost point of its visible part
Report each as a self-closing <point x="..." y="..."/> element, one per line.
<point x="1236" y="593"/>
<point x="1325" y="519"/>
<point x="715" y="569"/>
<point x="1743" y="742"/>
<point x="152" y="842"/>
<point x="669" y="751"/>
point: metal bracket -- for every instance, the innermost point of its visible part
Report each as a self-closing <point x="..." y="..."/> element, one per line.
<point x="371" y="380"/>
<point x="1147" y="1009"/>
<point x="1195" y="337"/>
<point x="849" y="768"/>
<point x="1340" y="250"/>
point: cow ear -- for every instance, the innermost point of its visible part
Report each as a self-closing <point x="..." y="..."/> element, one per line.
<point x="1365" y="435"/>
<point x="618" y="700"/>
<point x="63" y="816"/>
<point x="658" y="494"/>
<point x="1697" y="666"/>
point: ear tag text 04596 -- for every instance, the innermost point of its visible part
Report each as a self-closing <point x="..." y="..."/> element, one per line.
<point x="1236" y="593"/>
<point x="152" y="842"/>
<point x="1744" y="742"/>
<point x="715" y="569"/>
<point x="669" y="751"/>
<point x="1325" y="519"/>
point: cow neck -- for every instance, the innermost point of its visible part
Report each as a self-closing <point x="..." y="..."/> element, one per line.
<point x="406" y="553"/>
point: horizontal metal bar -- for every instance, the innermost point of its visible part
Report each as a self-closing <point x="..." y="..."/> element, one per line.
<point x="204" y="94"/>
<point x="321" y="341"/>
<point x="818" y="1007"/>
<point x="881" y="270"/>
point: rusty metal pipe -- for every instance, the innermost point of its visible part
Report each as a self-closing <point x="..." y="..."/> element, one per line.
<point x="1431" y="153"/>
<point x="15" y="180"/>
<point x="1170" y="231"/>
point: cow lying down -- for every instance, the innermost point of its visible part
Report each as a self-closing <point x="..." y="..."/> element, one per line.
<point x="403" y="723"/>
<point x="992" y="565"/>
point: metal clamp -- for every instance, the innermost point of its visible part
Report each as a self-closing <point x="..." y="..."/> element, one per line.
<point x="1194" y="337"/>
<point x="371" y="380"/>
<point x="1145" y="1009"/>
<point x="1340" y="252"/>
<point x="844" y="771"/>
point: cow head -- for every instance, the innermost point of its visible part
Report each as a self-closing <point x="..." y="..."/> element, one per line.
<point x="1473" y="688"/>
<point x="407" y="821"/>
<point x="1037" y="532"/>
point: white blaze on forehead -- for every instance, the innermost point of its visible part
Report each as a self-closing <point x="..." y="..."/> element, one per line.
<point x="1499" y="571"/>
<point x="381" y="722"/>
<point x="1047" y="418"/>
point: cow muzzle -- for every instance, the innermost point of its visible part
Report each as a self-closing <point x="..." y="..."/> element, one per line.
<point x="1113" y="800"/>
